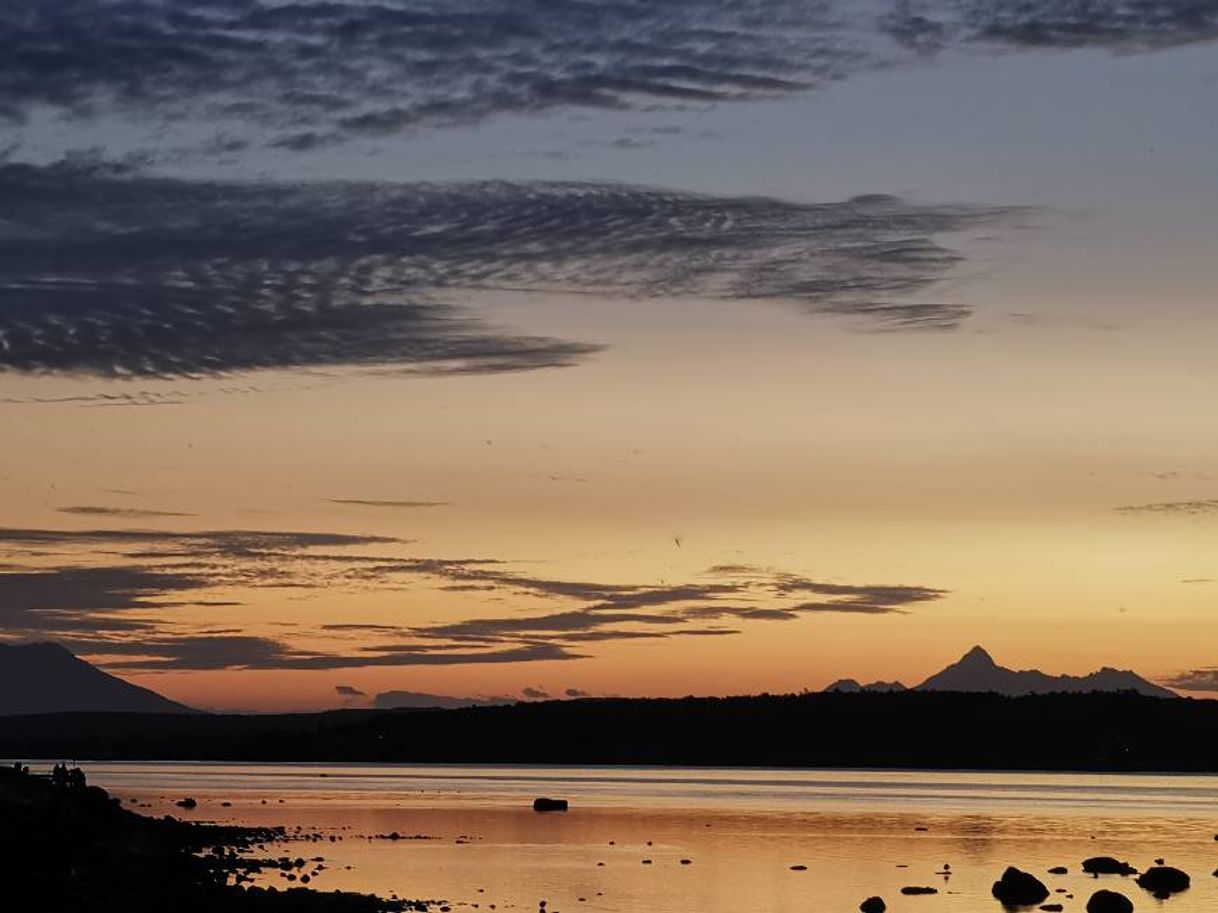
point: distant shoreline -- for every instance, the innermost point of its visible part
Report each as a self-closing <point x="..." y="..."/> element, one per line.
<point x="1099" y="732"/>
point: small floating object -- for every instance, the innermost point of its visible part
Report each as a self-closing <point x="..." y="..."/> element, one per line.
<point x="544" y="804"/>
<point x="686" y="861"/>
<point x="799" y="868"/>
<point x="918" y="889"/>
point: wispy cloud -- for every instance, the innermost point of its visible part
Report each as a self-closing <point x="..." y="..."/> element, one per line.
<point x="124" y="595"/>
<point x="302" y="75"/>
<point x="1174" y="508"/>
<point x="390" y="505"/>
<point x="118" y="275"/>
<point x="73" y="599"/>
<point x="1127" y="25"/>
<point x="134" y="513"/>
<point x="1194" y="680"/>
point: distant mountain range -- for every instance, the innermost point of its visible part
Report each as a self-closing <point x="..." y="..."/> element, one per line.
<point x="417" y="700"/>
<point x="976" y="671"/>
<point x="852" y="686"/>
<point x="48" y="678"/>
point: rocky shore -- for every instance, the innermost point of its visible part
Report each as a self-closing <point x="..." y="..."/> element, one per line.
<point x="68" y="847"/>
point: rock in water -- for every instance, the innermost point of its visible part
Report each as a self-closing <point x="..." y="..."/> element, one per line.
<point x="1163" y="881"/>
<point x="1059" y="870"/>
<point x="1106" y="865"/>
<point x="873" y="905"/>
<point x="1109" y="902"/>
<point x="549" y="805"/>
<point x="918" y="889"/>
<point x="1017" y="889"/>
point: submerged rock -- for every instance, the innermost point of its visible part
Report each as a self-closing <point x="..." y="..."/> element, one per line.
<point x="1017" y="888"/>
<point x="1163" y="881"/>
<point x="1106" y="865"/>
<point x="1109" y="902"/>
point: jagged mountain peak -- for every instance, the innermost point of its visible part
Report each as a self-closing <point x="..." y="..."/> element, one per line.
<point x="977" y="656"/>
<point x="977" y="671"/>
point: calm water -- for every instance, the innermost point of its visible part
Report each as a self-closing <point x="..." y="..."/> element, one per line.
<point x="858" y="833"/>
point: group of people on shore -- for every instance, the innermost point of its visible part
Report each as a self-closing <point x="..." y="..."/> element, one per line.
<point x="66" y="777"/>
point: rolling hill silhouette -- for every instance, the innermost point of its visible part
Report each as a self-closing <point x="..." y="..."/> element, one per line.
<point x="977" y="671"/>
<point x="48" y="678"/>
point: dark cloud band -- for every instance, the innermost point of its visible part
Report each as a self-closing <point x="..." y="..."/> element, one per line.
<point x="305" y="74"/>
<point x="118" y="275"/>
<point x="120" y="595"/>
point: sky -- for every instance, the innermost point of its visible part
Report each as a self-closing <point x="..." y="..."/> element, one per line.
<point x="522" y="349"/>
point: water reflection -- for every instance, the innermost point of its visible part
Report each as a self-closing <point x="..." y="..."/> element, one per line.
<point x="857" y="833"/>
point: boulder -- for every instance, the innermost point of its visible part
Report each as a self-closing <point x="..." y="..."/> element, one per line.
<point x="1018" y="889"/>
<point x="1106" y="865"/>
<point x="873" y="905"/>
<point x="188" y="802"/>
<point x="549" y="805"/>
<point x="1059" y="870"/>
<point x="1163" y="881"/>
<point x="1109" y="902"/>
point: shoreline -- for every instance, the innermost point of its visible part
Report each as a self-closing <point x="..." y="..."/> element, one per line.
<point x="78" y="850"/>
<point x="946" y="731"/>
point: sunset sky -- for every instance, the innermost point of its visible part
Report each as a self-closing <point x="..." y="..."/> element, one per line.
<point x="622" y="347"/>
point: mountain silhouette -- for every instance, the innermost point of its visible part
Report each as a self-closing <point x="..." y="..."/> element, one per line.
<point x="48" y="678"/>
<point x="852" y="686"/>
<point x="977" y="671"/>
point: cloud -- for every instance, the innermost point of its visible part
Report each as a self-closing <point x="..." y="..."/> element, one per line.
<point x="130" y="512"/>
<point x="403" y="505"/>
<point x="535" y="694"/>
<point x="1127" y="25"/>
<point x="188" y="653"/>
<point x="1195" y="680"/>
<point x="120" y="594"/>
<point x="1177" y="508"/>
<point x="349" y="691"/>
<point x="228" y="543"/>
<point x="128" y="276"/>
<point x="304" y="75"/>
<point x="616" y="611"/>
<point x="86" y="598"/>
